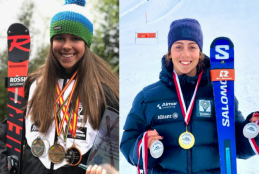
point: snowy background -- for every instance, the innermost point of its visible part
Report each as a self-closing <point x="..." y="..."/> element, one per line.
<point x="140" y="62"/>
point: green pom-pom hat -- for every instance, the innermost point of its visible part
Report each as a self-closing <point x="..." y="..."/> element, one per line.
<point x="72" y="19"/>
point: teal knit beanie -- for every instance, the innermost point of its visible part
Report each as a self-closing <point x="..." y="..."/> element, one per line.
<point x="72" y="19"/>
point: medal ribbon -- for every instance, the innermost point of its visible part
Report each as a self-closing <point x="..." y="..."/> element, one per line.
<point x="58" y="114"/>
<point x="62" y="105"/>
<point x="75" y="115"/>
<point x="59" y="118"/>
<point x="64" y="89"/>
<point x="252" y="141"/>
<point x="66" y="108"/>
<point x="186" y="115"/>
<point x="142" y="146"/>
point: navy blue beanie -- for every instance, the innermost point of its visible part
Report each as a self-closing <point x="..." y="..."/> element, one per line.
<point x="185" y="29"/>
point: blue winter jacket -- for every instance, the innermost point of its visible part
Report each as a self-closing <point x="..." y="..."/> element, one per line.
<point x="157" y="107"/>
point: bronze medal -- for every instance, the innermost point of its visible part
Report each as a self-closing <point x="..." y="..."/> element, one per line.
<point x="37" y="147"/>
<point x="56" y="153"/>
<point x="73" y="156"/>
<point x="69" y="157"/>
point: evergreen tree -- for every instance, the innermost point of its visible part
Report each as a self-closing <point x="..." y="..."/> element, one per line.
<point x="106" y="36"/>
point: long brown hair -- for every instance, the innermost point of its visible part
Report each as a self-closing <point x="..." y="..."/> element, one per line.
<point x="93" y="75"/>
<point x="169" y="63"/>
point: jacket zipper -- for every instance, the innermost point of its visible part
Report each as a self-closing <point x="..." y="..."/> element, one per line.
<point x="189" y="154"/>
<point x="52" y="164"/>
<point x="189" y="151"/>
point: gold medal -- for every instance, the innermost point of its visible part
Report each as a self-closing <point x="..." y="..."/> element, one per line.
<point x="73" y="156"/>
<point x="186" y="140"/>
<point x="56" y="153"/>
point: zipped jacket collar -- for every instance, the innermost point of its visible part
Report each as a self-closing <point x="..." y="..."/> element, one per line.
<point x="167" y="77"/>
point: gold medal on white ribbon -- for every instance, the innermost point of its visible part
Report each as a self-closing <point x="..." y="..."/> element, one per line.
<point x="186" y="139"/>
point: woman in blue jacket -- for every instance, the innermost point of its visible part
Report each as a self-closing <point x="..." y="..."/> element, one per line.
<point x="159" y="108"/>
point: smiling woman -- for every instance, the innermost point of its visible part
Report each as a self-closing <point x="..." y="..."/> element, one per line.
<point x="66" y="97"/>
<point x="173" y="122"/>
<point x="185" y="56"/>
<point x="68" y="49"/>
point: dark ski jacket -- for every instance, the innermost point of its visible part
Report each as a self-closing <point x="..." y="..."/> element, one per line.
<point x="157" y="107"/>
<point x="31" y="164"/>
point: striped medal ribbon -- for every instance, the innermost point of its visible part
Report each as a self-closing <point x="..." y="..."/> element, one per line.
<point x="186" y="139"/>
<point x="63" y="107"/>
<point x="142" y="148"/>
<point x="60" y="99"/>
<point x="252" y="140"/>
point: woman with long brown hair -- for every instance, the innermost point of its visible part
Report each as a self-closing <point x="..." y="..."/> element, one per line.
<point x="66" y="97"/>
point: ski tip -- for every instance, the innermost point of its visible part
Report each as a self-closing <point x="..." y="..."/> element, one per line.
<point x="17" y="29"/>
<point x="77" y="2"/>
<point x="221" y="38"/>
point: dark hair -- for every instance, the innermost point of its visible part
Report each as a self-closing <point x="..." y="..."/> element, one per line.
<point x="93" y="74"/>
<point x="170" y="66"/>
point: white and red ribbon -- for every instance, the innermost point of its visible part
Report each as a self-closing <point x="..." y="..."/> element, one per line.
<point x="253" y="143"/>
<point x="142" y="147"/>
<point x="186" y="115"/>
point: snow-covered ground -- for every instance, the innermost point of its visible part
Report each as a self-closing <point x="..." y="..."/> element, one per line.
<point x="140" y="62"/>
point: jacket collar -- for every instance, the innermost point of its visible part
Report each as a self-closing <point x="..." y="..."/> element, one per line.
<point x="62" y="74"/>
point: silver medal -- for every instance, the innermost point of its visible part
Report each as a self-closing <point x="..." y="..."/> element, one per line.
<point x="40" y="147"/>
<point x="250" y="130"/>
<point x="37" y="147"/>
<point x="156" y="149"/>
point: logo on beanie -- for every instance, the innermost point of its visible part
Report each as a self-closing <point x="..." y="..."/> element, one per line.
<point x="57" y="28"/>
<point x="186" y="33"/>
